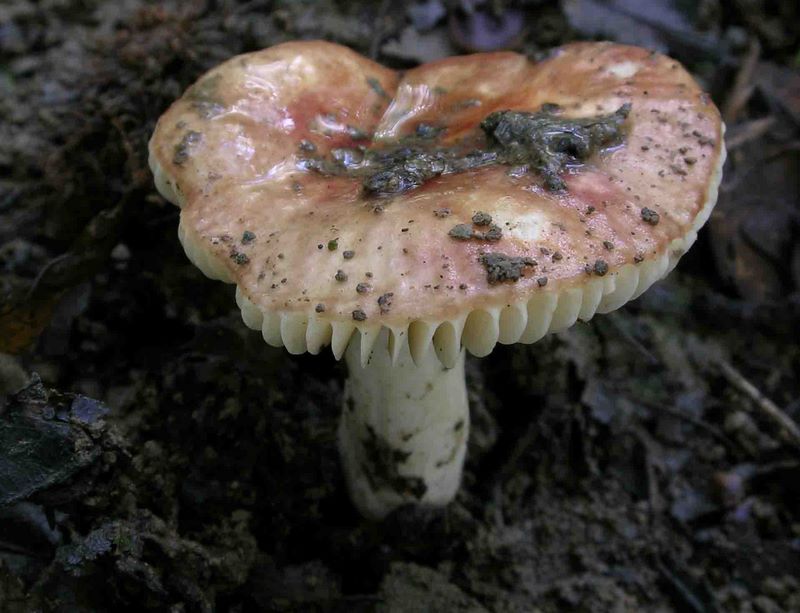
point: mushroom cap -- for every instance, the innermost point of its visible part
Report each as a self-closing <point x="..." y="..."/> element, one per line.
<point x="313" y="260"/>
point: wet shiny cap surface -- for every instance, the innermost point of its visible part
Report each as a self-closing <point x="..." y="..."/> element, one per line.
<point x="233" y="153"/>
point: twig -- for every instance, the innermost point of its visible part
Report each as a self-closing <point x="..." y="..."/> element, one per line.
<point x="653" y="493"/>
<point x="497" y="506"/>
<point x="748" y="131"/>
<point x="632" y="340"/>
<point x="767" y="469"/>
<point x="769" y="408"/>
<point x="44" y="270"/>
<point x="682" y="591"/>
<point x="19" y="549"/>
<point x="380" y="30"/>
<point x="743" y="85"/>
<point x="677" y="413"/>
<point x="523" y="443"/>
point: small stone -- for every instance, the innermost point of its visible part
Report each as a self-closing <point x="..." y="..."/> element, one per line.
<point x="385" y="302"/>
<point x="240" y="258"/>
<point x="650" y="216"/>
<point x="426" y="130"/>
<point x="121" y="253"/>
<point x="461" y="232"/>
<point x="481" y="219"/>
<point x="183" y="148"/>
<point x="494" y="233"/>
<point x="359" y="315"/>
<point x="502" y="267"/>
<point x="600" y="268"/>
<point x="340" y="276"/>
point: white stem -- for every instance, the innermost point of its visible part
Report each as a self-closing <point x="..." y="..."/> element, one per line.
<point x="404" y="429"/>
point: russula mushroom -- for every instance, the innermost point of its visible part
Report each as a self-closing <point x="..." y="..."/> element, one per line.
<point x="403" y="219"/>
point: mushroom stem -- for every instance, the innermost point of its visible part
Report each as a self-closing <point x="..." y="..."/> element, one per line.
<point x="404" y="429"/>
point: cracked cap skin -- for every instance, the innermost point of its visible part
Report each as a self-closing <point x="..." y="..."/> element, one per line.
<point x="230" y="153"/>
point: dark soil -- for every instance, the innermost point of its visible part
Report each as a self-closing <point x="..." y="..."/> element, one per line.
<point x="648" y="460"/>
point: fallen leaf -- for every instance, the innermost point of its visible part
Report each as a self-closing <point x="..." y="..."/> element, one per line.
<point x="419" y="47"/>
<point x="46" y="438"/>
<point x="659" y="25"/>
<point x="21" y="324"/>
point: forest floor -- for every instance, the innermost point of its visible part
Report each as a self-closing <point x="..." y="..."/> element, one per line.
<point x="646" y="460"/>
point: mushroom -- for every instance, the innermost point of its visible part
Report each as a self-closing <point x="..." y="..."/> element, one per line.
<point x="403" y="219"/>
